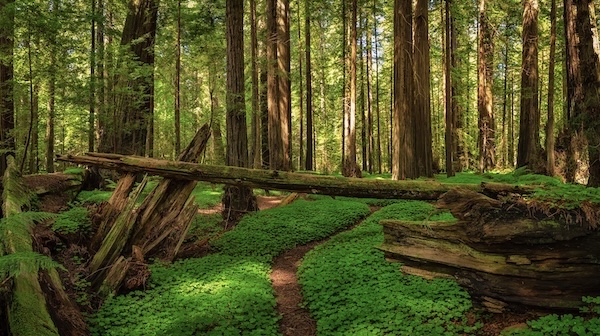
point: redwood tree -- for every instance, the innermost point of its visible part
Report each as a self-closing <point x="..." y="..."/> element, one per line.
<point x="350" y="168"/>
<point x="237" y="200"/>
<point x="529" y="150"/>
<point x="485" y="58"/>
<point x="7" y="117"/>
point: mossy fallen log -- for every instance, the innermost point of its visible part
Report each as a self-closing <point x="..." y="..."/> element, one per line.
<point x="286" y="181"/>
<point x="504" y="257"/>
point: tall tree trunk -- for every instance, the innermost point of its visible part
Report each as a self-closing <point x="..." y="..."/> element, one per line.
<point x="529" y="150"/>
<point x="276" y="150"/>
<point x="301" y="161"/>
<point x="178" y="83"/>
<point x="135" y="109"/>
<point x="50" y="131"/>
<point x="590" y="80"/>
<point x="236" y="200"/>
<point x="422" y="108"/>
<point x="363" y="115"/>
<point x="485" y="77"/>
<point x="309" y="95"/>
<point x="550" y="157"/>
<point x="284" y="80"/>
<point x="403" y="163"/>
<point x="7" y="116"/>
<point x="369" y="69"/>
<point x="101" y="76"/>
<point x="377" y="98"/>
<point x="503" y="137"/>
<point x="34" y="148"/>
<point x="93" y="79"/>
<point x="255" y="148"/>
<point x="460" y="148"/>
<point x="350" y="168"/>
<point x="574" y="91"/>
<point x="449" y="99"/>
<point x="346" y="87"/>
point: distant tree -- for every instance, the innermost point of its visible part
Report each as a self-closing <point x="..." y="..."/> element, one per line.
<point x="448" y="54"/>
<point x="7" y="117"/>
<point x="255" y="148"/>
<point x="309" y="93"/>
<point x="550" y="156"/>
<point x="284" y="80"/>
<point x="350" y="168"/>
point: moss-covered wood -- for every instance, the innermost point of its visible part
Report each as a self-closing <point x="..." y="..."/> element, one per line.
<point x="285" y="181"/>
<point x="501" y="253"/>
<point x="27" y="310"/>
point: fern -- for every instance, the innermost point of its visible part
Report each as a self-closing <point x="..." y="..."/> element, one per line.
<point x="13" y="264"/>
<point x="15" y="195"/>
<point x="15" y="229"/>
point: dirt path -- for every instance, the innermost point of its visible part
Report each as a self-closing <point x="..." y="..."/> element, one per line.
<point x="295" y="321"/>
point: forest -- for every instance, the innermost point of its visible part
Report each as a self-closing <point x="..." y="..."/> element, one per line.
<point x="277" y="167"/>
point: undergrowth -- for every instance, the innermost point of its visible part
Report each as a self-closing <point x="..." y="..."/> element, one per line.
<point x="227" y="293"/>
<point x="556" y="325"/>
<point x="351" y="289"/>
<point x="73" y="220"/>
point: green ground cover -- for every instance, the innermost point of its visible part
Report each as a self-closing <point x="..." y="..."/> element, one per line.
<point x="351" y="289"/>
<point x="227" y="293"/>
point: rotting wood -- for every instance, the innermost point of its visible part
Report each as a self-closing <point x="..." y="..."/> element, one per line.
<point x="27" y="310"/>
<point x="501" y="253"/>
<point x="156" y="227"/>
<point x="286" y="181"/>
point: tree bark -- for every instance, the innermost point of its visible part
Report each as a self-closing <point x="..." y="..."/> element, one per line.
<point x="255" y="149"/>
<point x="276" y="150"/>
<point x="529" y="150"/>
<point x="589" y="53"/>
<point x="284" y="80"/>
<point x="350" y="168"/>
<point x="178" y="83"/>
<point x="485" y="55"/>
<point x="422" y="109"/>
<point x="7" y="117"/>
<point x="550" y="155"/>
<point x="449" y="99"/>
<point x="403" y="134"/>
<point x="309" y="92"/>
<point x="237" y="201"/>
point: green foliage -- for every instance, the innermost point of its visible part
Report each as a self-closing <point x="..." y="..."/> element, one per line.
<point x="351" y="289"/>
<point x="266" y="234"/>
<point x="15" y="228"/>
<point x="74" y="171"/>
<point x="13" y="264"/>
<point x="368" y="201"/>
<point x="555" y="325"/>
<point x="207" y="195"/>
<point x="227" y="293"/>
<point x="93" y="196"/>
<point x="205" y="226"/>
<point x="73" y="220"/>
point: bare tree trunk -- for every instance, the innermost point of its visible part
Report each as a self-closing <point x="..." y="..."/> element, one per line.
<point x="574" y="91"/>
<point x="369" y="68"/>
<point x="7" y="117"/>
<point x="350" y="168"/>
<point x="486" y="123"/>
<point x="378" y="112"/>
<point x="503" y="137"/>
<point x="276" y="150"/>
<point x="178" y="83"/>
<point x="363" y="114"/>
<point x="422" y="108"/>
<point x="255" y="148"/>
<point x="237" y="201"/>
<point x="51" y="116"/>
<point x="449" y="99"/>
<point x="93" y="80"/>
<point x="529" y="150"/>
<point x="589" y="53"/>
<point x="301" y="97"/>
<point x="284" y="81"/>
<point x="309" y="93"/>
<point x="550" y="157"/>
<point x="403" y="163"/>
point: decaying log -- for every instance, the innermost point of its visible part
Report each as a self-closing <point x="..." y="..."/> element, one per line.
<point x="500" y="254"/>
<point x="285" y="181"/>
<point x="43" y="184"/>
<point x="157" y="226"/>
<point x="27" y="310"/>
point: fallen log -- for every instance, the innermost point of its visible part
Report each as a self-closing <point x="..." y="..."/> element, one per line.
<point x="157" y="226"/>
<point x="27" y="305"/>
<point x="501" y="254"/>
<point x="285" y="181"/>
